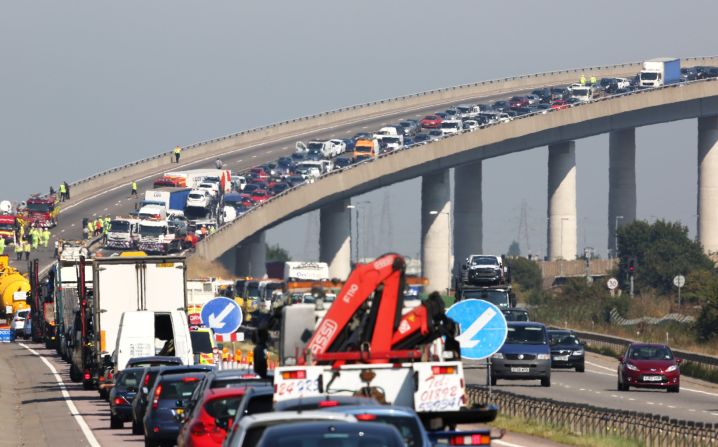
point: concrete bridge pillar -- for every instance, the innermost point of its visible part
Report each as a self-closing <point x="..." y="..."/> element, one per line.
<point x="251" y="256"/>
<point x="707" y="209"/>
<point x="621" y="182"/>
<point x="335" y="239"/>
<point x="562" y="201"/>
<point x="435" y="230"/>
<point x="468" y="209"/>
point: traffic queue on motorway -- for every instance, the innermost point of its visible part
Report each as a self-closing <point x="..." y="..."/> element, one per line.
<point x="129" y="328"/>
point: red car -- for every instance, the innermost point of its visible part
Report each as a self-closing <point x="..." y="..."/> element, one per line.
<point x="258" y="173"/>
<point x="207" y="425"/>
<point x="518" y="101"/>
<point x="431" y="122"/>
<point x="260" y="195"/>
<point x="247" y="200"/>
<point x="649" y="366"/>
<point x="559" y="104"/>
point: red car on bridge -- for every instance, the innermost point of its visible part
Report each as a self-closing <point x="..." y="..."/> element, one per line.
<point x="431" y="122"/>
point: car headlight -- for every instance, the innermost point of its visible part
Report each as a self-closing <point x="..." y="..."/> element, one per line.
<point x="577" y="352"/>
<point x="544" y="357"/>
<point x="497" y="355"/>
<point x="671" y="368"/>
<point x="631" y="367"/>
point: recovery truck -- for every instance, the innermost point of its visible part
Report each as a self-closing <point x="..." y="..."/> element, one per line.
<point x="488" y="278"/>
<point x="120" y="284"/>
<point x="364" y="346"/>
<point x="123" y="233"/>
<point x="41" y="210"/>
<point x="157" y="237"/>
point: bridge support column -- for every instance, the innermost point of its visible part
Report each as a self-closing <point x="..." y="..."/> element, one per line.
<point x="435" y="230"/>
<point x="335" y="239"/>
<point x="562" y="201"/>
<point x="251" y="256"/>
<point x="468" y="209"/>
<point x="707" y="209"/>
<point x="621" y="182"/>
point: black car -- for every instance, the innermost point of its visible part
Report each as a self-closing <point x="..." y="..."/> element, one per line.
<point x="121" y="396"/>
<point x="296" y="180"/>
<point x="689" y="74"/>
<point x="167" y="402"/>
<point x="249" y="188"/>
<point x="298" y="157"/>
<point x="514" y="314"/>
<point x="502" y="106"/>
<point x="544" y="94"/>
<point x="559" y="93"/>
<point x="567" y="351"/>
<point x="421" y="138"/>
<point x="278" y="188"/>
<point x="342" y="162"/>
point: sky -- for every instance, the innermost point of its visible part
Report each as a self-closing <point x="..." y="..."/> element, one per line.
<point x="87" y="85"/>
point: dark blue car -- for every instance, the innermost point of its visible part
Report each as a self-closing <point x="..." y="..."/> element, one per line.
<point x="126" y="386"/>
<point x="166" y="405"/>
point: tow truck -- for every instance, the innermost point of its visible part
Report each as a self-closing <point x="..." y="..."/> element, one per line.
<point x="41" y="210"/>
<point x="365" y="346"/>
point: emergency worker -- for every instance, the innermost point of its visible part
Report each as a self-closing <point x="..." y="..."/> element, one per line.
<point x="90" y="229"/>
<point x="26" y="248"/>
<point x="134" y="188"/>
<point x="177" y="152"/>
<point x="35" y="237"/>
<point x="63" y="191"/>
<point x="593" y="80"/>
<point x="582" y="80"/>
<point x="18" y="249"/>
<point x="45" y="237"/>
<point x="2" y="246"/>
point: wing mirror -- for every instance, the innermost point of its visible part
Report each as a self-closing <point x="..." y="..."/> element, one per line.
<point x="620" y="358"/>
<point x="679" y="361"/>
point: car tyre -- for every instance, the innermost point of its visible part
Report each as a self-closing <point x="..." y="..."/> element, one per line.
<point x="75" y="374"/>
<point x="87" y="385"/>
<point x="580" y="369"/>
<point x="674" y="389"/>
<point x="621" y="387"/>
<point x="116" y="422"/>
<point x="546" y="381"/>
<point x="136" y="428"/>
<point x="493" y="380"/>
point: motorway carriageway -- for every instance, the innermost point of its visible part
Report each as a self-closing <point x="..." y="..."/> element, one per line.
<point x="697" y="400"/>
<point x="42" y="407"/>
<point x="115" y="201"/>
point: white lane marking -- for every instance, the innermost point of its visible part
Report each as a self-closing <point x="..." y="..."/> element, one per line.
<point x="72" y="225"/>
<point x="714" y="414"/>
<point x="105" y="209"/>
<point x="691" y="410"/>
<point x="254" y="156"/>
<point x="68" y="400"/>
<point x="365" y="127"/>
<point x="239" y="161"/>
<point x="671" y="406"/>
<point x="649" y="402"/>
<point x="630" y="398"/>
<point x="62" y="231"/>
<point x="506" y="443"/>
<point x="270" y="151"/>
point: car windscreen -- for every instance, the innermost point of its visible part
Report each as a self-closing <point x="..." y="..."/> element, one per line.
<point x="526" y="335"/>
<point x="223" y="408"/>
<point x="497" y="297"/>
<point x="236" y="382"/>
<point x="119" y="226"/>
<point x="649" y="76"/>
<point x="564" y="339"/>
<point x="147" y="230"/>
<point x="484" y="260"/>
<point x="130" y="379"/>
<point x="315" y="146"/>
<point x="201" y="342"/>
<point x="650" y="353"/>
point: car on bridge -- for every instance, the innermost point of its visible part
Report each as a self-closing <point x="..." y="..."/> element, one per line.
<point x="647" y="365"/>
<point x="431" y="122"/>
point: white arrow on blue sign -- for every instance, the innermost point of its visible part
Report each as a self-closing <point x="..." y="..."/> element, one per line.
<point x="483" y="328"/>
<point x="223" y="315"/>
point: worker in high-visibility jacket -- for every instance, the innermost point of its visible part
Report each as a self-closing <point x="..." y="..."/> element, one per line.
<point x="26" y="248"/>
<point x="177" y="152"/>
<point x="134" y="188"/>
<point x="18" y="250"/>
<point x="2" y="246"/>
<point x="582" y="80"/>
<point x="45" y="237"/>
<point x="593" y="80"/>
<point x="63" y="192"/>
<point x="90" y="229"/>
<point x="35" y="237"/>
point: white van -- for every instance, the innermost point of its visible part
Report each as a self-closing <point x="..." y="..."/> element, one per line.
<point x="146" y="333"/>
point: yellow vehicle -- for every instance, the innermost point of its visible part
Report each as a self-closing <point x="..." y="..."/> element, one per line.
<point x="13" y="289"/>
<point x="203" y="346"/>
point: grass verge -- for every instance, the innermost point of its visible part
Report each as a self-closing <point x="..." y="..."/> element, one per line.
<point x="558" y="434"/>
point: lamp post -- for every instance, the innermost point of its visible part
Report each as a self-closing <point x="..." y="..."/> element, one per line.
<point x="615" y="237"/>
<point x="448" y="246"/>
<point x="356" y="206"/>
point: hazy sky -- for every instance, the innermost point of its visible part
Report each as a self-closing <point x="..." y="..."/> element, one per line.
<point x="87" y="85"/>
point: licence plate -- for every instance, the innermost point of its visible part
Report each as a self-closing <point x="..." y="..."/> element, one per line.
<point x="561" y="358"/>
<point x="652" y="378"/>
<point x="519" y="370"/>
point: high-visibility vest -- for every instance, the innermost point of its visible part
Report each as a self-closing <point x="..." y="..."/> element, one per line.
<point x="45" y="235"/>
<point x="593" y="79"/>
<point x="178" y="150"/>
<point x="18" y="247"/>
<point x="62" y="188"/>
<point x="134" y="185"/>
<point x="2" y="244"/>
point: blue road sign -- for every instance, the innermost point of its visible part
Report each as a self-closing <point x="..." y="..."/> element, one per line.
<point x="483" y="328"/>
<point x="223" y="315"/>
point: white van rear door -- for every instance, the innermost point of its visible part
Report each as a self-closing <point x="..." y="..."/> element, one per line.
<point x="183" y="342"/>
<point x="136" y="337"/>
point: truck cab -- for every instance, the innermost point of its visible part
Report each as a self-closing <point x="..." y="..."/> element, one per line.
<point x="660" y="71"/>
<point x="365" y="149"/>
<point x="123" y="233"/>
<point x="42" y="210"/>
<point x="450" y="127"/>
<point x="157" y="237"/>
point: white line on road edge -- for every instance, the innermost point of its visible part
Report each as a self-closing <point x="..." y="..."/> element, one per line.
<point x="507" y="444"/>
<point x="68" y="400"/>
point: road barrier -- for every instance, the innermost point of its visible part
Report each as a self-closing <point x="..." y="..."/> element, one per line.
<point x="619" y="344"/>
<point x="581" y="419"/>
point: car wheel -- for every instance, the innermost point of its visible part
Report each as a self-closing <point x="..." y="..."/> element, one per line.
<point x="546" y="381"/>
<point x="136" y="428"/>
<point x="115" y="422"/>
<point x="493" y="381"/>
<point x="621" y="386"/>
<point x="75" y="374"/>
<point x="580" y="369"/>
<point x="674" y="389"/>
<point x="87" y="385"/>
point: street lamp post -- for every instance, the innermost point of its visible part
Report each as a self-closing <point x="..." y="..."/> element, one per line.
<point x="615" y="237"/>
<point x="356" y="208"/>
<point x="448" y="246"/>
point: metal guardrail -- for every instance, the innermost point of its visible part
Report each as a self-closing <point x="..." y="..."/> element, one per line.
<point x="462" y="132"/>
<point x="619" y="344"/>
<point x="582" y="419"/>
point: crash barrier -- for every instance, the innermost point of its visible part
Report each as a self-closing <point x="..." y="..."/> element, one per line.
<point x="619" y="345"/>
<point x="617" y="319"/>
<point x="296" y="128"/>
<point x="585" y="420"/>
